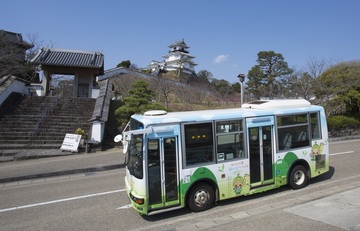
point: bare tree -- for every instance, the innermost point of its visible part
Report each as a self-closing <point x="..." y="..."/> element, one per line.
<point x="122" y="84"/>
<point x="316" y="67"/>
<point x="300" y="84"/>
<point x="305" y="85"/>
<point x="12" y="55"/>
<point x="163" y="87"/>
<point x="15" y="55"/>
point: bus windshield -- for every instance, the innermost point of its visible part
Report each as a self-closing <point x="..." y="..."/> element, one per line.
<point x="135" y="156"/>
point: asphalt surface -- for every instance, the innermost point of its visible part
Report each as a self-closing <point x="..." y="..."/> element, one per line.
<point x="339" y="207"/>
<point x="32" y="164"/>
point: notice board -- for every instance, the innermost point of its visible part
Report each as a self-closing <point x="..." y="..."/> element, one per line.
<point x="71" y="142"/>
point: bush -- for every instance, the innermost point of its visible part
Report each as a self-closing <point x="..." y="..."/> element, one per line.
<point x="338" y="122"/>
<point x="80" y="131"/>
<point x="343" y="125"/>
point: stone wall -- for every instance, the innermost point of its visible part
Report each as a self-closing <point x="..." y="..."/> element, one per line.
<point x="351" y="131"/>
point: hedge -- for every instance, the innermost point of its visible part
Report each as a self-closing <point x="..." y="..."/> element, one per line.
<point x="343" y="126"/>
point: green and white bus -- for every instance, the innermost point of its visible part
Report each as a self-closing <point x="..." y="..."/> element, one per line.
<point x="195" y="158"/>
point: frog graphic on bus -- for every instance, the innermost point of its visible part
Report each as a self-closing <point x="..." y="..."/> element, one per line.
<point x="239" y="183"/>
<point x="316" y="151"/>
<point x="317" y="155"/>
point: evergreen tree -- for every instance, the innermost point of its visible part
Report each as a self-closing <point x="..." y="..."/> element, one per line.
<point x="266" y="78"/>
<point x="125" y="63"/>
<point x="139" y="100"/>
<point x="339" y="87"/>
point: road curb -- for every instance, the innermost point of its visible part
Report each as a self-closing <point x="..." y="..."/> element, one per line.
<point x="61" y="173"/>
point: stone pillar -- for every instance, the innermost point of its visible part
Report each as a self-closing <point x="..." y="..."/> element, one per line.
<point x="76" y="86"/>
<point x="46" y="83"/>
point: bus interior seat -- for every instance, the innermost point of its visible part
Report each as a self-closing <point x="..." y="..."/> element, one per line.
<point x="315" y="132"/>
<point x="302" y="136"/>
<point x="286" y="142"/>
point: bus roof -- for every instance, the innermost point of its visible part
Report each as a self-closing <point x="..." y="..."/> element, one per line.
<point x="279" y="103"/>
<point x="256" y="108"/>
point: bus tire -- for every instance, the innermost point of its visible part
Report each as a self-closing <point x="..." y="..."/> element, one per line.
<point x="201" y="197"/>
<point x="298" y="177"/>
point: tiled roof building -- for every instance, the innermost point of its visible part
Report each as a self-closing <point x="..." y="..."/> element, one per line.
<point x="13" y="54"/>
<point x="69" y="58"/>
<point x="84" y="65"/>
<point x="15" y="38"/>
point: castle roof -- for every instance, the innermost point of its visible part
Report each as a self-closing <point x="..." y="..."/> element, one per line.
<point x="178" y="53"/>
<point x="180" y="43"/>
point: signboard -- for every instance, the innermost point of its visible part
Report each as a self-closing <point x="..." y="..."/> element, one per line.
<point x="71" y="142"/>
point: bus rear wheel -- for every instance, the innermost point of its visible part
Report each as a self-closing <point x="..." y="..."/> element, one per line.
<point x="201" y="197"/>
<point x="298" y="177"/>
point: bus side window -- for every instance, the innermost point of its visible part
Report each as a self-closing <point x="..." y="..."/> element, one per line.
<point x="302" y="139"/>
<point x="232" y="145"/>
<point x="293" y="131"/>
<point x="230" y="139"/>
<point x="199" y="144"/>
<point x="315" y="125"/>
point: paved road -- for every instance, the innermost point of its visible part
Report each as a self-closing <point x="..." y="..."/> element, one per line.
<point x="96" y="200"/>
<point x="62" y="163"/>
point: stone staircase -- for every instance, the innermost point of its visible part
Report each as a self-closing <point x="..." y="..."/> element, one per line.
<point x="42" y="122"/>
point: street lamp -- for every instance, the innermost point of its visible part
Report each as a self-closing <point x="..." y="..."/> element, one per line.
<point x="241" y="78"/>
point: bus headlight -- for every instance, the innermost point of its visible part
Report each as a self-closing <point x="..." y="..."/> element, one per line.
<point x="138" y="201"/>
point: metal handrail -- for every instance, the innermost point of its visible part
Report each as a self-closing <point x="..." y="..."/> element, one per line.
<point x="44" y="113"/>
<point x="39" y="121"/>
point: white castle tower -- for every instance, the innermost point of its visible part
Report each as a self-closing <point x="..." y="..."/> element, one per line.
<point x="178" y="58"/>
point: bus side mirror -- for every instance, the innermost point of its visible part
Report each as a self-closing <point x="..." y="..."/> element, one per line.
<point x="118" y="138"/>
<point x="125" y="143"/>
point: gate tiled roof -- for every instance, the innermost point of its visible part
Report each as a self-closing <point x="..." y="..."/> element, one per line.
<point x="69" y="58"/>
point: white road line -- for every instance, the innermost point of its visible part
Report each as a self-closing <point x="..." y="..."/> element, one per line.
<point x="125" y="206"/>
<point x="60" y="200"/>
<point x="341" y="153"/>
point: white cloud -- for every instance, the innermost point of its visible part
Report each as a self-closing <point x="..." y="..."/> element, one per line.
<point x="220" y="59"/>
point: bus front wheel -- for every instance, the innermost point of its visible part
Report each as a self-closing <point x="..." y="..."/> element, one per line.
<point x="201" y="197"/>
<point x="298" y="177"/>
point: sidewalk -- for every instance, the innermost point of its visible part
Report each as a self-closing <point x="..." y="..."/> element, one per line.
<point x="59" y="163"/>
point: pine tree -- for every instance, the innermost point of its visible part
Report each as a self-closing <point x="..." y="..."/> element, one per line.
<point x="140" y="99"/>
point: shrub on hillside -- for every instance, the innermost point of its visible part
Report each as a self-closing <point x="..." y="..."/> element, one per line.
<point x="343" y="126"/>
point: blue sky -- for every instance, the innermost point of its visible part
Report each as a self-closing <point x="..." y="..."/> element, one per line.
<point x="224" y="36"/>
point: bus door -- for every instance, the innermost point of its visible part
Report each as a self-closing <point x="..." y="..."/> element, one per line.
<point x="260" y="138"/>
<point x="162" y="177"/>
